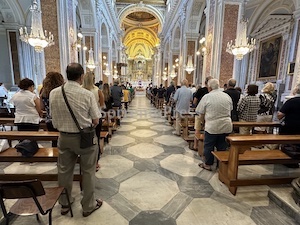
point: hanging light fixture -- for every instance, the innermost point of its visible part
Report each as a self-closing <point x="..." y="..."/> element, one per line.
<point x="173" y="74"/>
<point x="115" y="76"/>
<point x="189" y="66"/>
<point x="91" y="63"/>
<point x="107" y="72"/>
<point x="242" y="45"/>
<point x="37" y="38"/>
<point x="202" y="47"/>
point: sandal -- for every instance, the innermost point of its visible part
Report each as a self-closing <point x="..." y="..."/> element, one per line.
<point x="204" y="166"/>
<point x="98" y="205"/>
<point x="98" y="167"/>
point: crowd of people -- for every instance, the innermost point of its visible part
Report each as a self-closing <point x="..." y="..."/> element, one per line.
<point x="88" y="101"/>
<point x="216" y="108"/>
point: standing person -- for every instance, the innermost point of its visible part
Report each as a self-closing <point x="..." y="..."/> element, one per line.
<point x="51" y="81"/>
<point x="88" y="83"/>
<point x="117" y="94"/>
<point x="108" y="100"/>
<point x="235" y="97"/>
<point x="289" y="112"/>
<point x="214" y="109"/>
<point x="266" y="107"/>
<point x="84" y="106"/>
<point x="169" y="91"/>
<point x="248" y="107"/>
<point x="183" y="97"/>
<point x="3" y="94"/>
<point x="126" y="97"/>
<point x="27" y="104"/>
<point x="198" y="95"/>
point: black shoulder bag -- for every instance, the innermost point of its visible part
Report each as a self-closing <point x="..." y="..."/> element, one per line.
<point x="86" y="134"/>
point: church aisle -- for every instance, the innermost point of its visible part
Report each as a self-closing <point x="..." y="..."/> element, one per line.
<point x="150" y="177"/>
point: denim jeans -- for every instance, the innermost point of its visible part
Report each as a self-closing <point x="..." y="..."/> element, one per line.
<point x="210" y="142"/>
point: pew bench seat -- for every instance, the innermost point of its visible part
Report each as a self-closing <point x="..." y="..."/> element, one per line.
<point x="43" y="155"/>
<point x="255" y="157"/>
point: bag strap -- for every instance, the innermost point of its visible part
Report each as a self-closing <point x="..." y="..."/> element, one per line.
<point x="69" y="107"/>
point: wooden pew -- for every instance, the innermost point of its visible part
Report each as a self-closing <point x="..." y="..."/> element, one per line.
<point x="228" y="172"/>
<point x="273" y="124"/>
<point x="43" y="155"/>
<point x="31" y="135"/>
<point x="200" y="140"/>
<point x="10" y="122"/>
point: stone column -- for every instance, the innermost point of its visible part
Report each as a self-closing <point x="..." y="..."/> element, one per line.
<point x="222" y="19"/>
<point x="50" y="17"/>
<point x="295" y="55"/>
<point x="182" y="42"/>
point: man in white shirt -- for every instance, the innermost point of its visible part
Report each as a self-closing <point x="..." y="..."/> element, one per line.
<point x="214" y="108"/>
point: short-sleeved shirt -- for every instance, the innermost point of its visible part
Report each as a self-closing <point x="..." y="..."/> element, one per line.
<point x="291" y="109"/>
<point x="25" y="107"/>
<point x="216" y="107"/>
<point x="183" y="96"/>
<point x="200" y="93"/>
<point x="248" y="108"/>
<point x="82" y="102"/>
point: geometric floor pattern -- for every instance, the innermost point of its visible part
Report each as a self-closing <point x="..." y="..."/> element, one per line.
<point x="150" y="177"/>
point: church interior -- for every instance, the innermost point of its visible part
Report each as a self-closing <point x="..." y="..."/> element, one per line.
<point x="148" y="176"/>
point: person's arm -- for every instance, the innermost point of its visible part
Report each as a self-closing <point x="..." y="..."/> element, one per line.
<point x="42" y="103"/>
<point x="38" y="107"/>
<point x="95" y="122"/>
<point x="101" y="98"/>
<point x="280" y="115"/>
<point x="202" y="121"/>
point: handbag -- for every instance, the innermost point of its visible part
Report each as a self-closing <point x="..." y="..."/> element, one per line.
<point x="27" y="148"/>
<point x="86" y="134"/>
<point x="4" y="145"/>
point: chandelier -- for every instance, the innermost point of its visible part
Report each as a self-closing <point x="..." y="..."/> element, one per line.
<point x="91" y="63"/>
<point x="115" y="76"/>
<point x="202" y="47"/>
<point x="37" y="37"/>
<point x="107" y="72"/>
<point x="173" y="74"/>
<point x="242" y="45"/>
<point x="189" y="66"/>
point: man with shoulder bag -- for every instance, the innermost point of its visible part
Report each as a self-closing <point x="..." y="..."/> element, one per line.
<point x="74" y="110"/>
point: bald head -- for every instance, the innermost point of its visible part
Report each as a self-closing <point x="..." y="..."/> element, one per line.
<point x="184" y="82"/>
<point x="231" y="83"/>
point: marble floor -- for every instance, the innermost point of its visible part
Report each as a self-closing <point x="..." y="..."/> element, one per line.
<point x="150" y="177"/>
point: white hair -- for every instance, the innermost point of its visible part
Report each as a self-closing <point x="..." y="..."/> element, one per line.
<point x="297" y="89"/>
<point x="213" y="84"/>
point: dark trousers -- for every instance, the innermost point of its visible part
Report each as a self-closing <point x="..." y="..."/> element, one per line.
<point x="98" y="130"/>
<point x="51" y="128"/>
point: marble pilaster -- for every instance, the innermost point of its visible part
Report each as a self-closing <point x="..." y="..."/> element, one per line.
<point x="50" y="14"/>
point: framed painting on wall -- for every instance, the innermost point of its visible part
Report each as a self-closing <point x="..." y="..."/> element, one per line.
<point x="269" y="58"/>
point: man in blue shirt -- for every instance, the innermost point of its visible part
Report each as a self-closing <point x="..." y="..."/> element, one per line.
<point x="183" y="96"/>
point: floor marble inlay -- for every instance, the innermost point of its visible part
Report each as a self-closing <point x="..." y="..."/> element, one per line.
<point x="149" y="176"/>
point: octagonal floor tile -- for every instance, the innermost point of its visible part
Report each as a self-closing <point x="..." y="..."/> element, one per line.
<point x="198" y="210"/>
<point x="128" y="120"/>
<point x="145" y="150"/>
<point x="181" y="164"/>
<point x="142" y="123"/>
<point x="170" y="140"/>
<point x="113" y="165"/>
<point x="161" y="128"/>
<point x="157" y="120"/>
<point x="121" y="140"/>
<point x="143" y="133"/>
<point x="126" y="128"/>
<point x="149" y="190"/>
<point x="152" y="217"/>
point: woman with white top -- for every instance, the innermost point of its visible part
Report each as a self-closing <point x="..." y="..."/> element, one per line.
<point x="27" y="107"/>
<point x="89" y="84"/>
